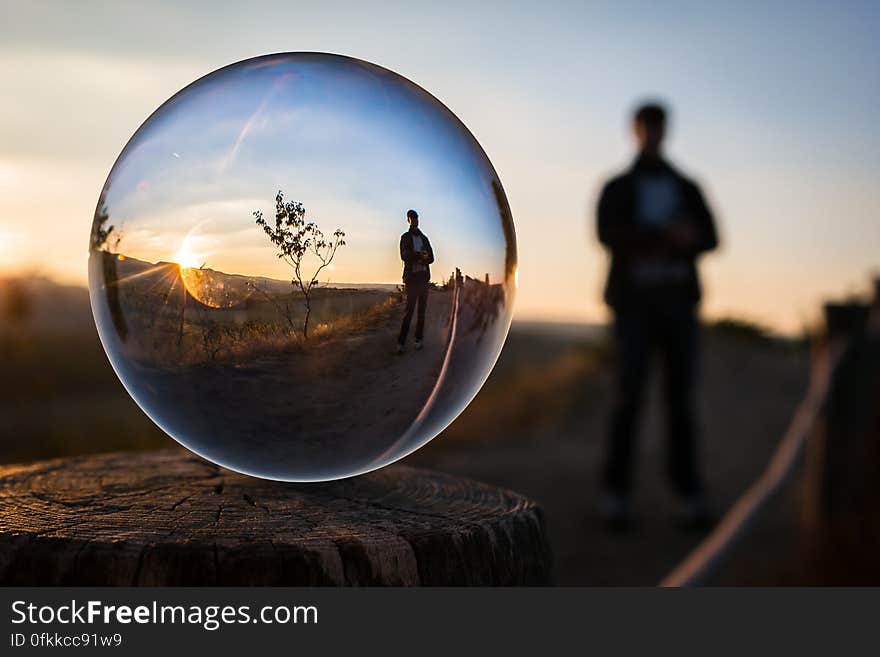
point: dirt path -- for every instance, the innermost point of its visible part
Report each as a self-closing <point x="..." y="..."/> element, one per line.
<point x="335" y="402"/>
<point x="747" y="394"/>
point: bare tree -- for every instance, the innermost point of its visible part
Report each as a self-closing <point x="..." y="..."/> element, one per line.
<point x="296" y="238"/>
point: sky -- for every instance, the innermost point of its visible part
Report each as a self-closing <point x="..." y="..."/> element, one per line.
<point x="773" y="104"/>
<point x="357" y="145"/>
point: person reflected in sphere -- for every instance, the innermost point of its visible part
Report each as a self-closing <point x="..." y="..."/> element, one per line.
<point x="417" y="255"/>
<point x="655" y="223"/>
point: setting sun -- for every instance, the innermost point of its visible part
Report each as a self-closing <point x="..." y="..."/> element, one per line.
<point x="186" y="257"/>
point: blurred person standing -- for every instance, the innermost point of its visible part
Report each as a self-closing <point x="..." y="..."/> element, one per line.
<point x="655" y="223"/>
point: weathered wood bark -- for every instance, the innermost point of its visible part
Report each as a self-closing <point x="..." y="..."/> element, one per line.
<point x="170" y="518"/>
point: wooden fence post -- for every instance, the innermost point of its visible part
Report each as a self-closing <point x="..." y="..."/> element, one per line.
<point x="841" y="512"/>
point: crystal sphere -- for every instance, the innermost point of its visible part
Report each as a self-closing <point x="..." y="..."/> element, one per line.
<point x="253" y="263"/>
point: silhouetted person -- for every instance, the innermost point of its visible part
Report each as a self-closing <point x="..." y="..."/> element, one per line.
<point x="655" y="223"/>
<point x="417" y="256"/>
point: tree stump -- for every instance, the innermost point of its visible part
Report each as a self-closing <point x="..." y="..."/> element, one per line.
<point x="170" y="519"/>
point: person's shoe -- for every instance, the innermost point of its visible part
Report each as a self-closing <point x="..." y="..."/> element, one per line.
<point x="418" y="345"/>
<point x="694" y="514"/>
<point x="398" y="349"/>
<point x="615" y="511"/>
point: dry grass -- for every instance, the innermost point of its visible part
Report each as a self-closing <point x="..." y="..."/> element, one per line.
<point x="171" y="337"/>
<point x="524" y="398"/>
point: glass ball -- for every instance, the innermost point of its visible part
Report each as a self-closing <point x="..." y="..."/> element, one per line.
<point x="259" y="246"/>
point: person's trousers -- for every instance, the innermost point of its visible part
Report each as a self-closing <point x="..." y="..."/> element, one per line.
<point x="641" y="331"/>
<point x="416" y="295"/>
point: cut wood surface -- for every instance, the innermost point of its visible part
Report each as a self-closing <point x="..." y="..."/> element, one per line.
<point x="171" y="518"/>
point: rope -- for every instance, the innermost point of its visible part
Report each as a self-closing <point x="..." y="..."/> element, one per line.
<point x="706" y="557"/>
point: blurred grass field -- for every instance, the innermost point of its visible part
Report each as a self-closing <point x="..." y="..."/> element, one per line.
<point x="59" y="395"/>
<point x="537" y="426"/>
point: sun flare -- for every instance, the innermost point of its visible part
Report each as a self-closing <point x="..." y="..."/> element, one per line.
<point x="186" y="257"/>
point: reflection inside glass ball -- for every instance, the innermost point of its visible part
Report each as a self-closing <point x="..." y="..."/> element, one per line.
<point x="302" y="267"/>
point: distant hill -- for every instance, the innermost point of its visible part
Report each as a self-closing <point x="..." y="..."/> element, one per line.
<point x="563" y="330"/>
<point x="42" y="306"/>
<point x="129" y="266"/>
<point x="384" y="287"/>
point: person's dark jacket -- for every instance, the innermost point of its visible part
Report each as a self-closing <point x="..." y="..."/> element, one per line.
<point x="411" y="257"/>
<point x="626" y="239"/>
